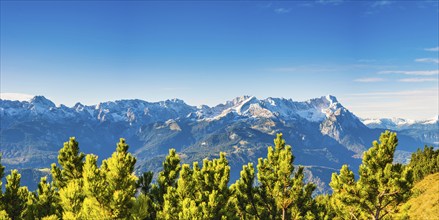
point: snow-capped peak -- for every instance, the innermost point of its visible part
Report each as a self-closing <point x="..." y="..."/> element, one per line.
<point x="433" y="120"/>
<point x="42" y="102"/>
<point x="315" y="110"/>
<point x="397" y="123"/>
<point x="331" y="99"/>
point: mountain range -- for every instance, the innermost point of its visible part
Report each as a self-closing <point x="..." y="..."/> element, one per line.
<point x="424" y="130"/>
<point x="323" y="134"/>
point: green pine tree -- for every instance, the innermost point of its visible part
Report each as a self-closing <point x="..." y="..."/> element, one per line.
<point x="144" y="207"/>
<point x="245" y="197"/>
<point x="168" y="176"/>
<point x="382" y="185"/>
<point x="15" y="197"/>
<point x="282" y="191"/>
<point x="120" y="181"/>
<point x="71" y="162"/>
<point x="96" y="200"/>
<point x="424" y="162"/>
<point x="345" y="194"/>
<point x="4" y="215"/>
<point x="211" y="183"/>
<point x="68" y="179"/>
<point x="171" y="206"/>
<point x="47" y="200"/>
<point x="2" y="170"/>
<point x="71" y="198"/>
<point x="199" y="193"/>
<point x="144" y="182"/>
<point x="324" y="208"/>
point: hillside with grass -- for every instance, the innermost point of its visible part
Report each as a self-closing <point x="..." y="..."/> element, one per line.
<point x="424" y="203"/>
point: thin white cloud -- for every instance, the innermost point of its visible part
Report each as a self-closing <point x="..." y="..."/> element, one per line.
<point x="282" y="10"/>
<point x="429" y="92"/>
<point x="415" y="104"/>
<point x="417" y="80"/>
<point x="16" y="96"/>
<point x="427" y="60"/>
<point x="432" y="49"/>
<point x="369" y="80"/>
<point x="268" y="5"/>
<point x="381" y="3"/>
<point x="414" y="73"/>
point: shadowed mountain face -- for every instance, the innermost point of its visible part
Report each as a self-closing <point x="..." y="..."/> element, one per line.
<point x="323" y="134"/>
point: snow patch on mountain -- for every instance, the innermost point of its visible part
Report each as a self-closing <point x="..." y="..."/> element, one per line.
<point x="397" y="123"/>
<point x="314" y="110"/>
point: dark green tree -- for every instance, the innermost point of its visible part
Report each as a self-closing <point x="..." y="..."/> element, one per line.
<point x="15" y="197"/>
<point x="144" y="182"/>
<point x="424" y="162"/>
<point x="2" y="170"/>
<point x="168" y="176"/>
<point x="71" y="162"/>
<point x="166" y="180"/>
<point x="144" y="207"/>
<point x="245" y="197"/>
<point x="47" y="200"/>
<point x="67" y="178"/>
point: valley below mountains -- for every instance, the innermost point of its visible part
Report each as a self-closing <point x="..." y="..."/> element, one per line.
<point x="323" y="134"/>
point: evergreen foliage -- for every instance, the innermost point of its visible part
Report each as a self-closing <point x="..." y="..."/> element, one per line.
<point x="275" y="190"/>
<point x="4" y="215"/>
<point x="120" y="181"/>
<point x="168" y="176"/>
<point x="324" y="209"/>
<point x="144" y="182"/>
<point x="282" y="191"/>
<point x="71" y="161"/>
<point x="47" y="200"/>
<point x="15" y="196"/>
<point x="2" y="205"/>
<point x="110" y="189"/>
<point x="424" y="162"/>
<point x="200" y="193"/>
<point x="245" y="199"/>
<point x="381" y="187"/>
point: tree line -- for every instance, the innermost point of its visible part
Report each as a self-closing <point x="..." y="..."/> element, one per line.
<point x="80" y="189"/>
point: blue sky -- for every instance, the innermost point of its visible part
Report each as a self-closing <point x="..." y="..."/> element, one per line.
<point x="379" y="58"/>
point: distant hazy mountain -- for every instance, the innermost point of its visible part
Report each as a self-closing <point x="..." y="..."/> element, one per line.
<point x="323" y="134"/>
<point x="426" y="131"/>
